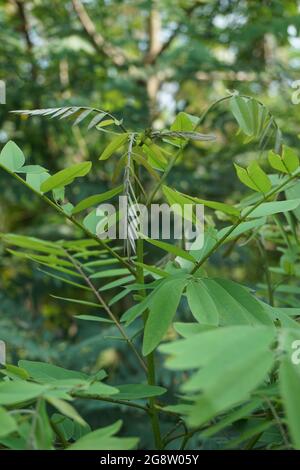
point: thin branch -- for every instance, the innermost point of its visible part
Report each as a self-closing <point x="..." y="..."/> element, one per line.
<point x="97" y="40"/>
<point x="115" y="401"/>
<point x="155" y="52"/>
<point x="100" y="299"/>
<point x="110" y="400"/>
<point x="25" y="28"/>
<point x="268" y="277"/>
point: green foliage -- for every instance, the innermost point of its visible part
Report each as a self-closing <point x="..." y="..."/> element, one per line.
<point x="65" y="177"/>
<point x="254" y="177"/>
<point x="162" y="308"/>
<point x="223" y="356"/>
<point x="12" y="157"/>
<point x="236" y="298"/>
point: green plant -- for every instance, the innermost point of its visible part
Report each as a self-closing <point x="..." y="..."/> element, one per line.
<point x="237" y="353"/>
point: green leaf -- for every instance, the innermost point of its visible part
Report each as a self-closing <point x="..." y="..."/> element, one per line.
<point x="96" y="120"/>
<point x="288" y="162"/>
<point x="68" y="428"/>
<point x="241" y="413"/>
<point x="254" y="177"/>
<point x="136" y="310"/>
<point x="293" y="192"/>
<point x="113" y="146"/>
<point x="184" y="122"/>
<point x="141" y="160"/>
<point x="63" y="279"/>
<point x="255" y="111"/>
<point x="48" y="373"/>
<point x="15" y="372"/>
<point x="103" y="439"/>
<point x="241" y="228"/>
<point x="209" y="344"/>
<point x="163" y="306"/>
<point x="168" y="247"/>
<point x="67" y="208"/>
<point x="201" y="304"/>
<point x="254" y="428"/>
<point x="197" y="136"/>
<point x="66" y="409"/>
<point x="99" y="388"/>
<point x="152" y="269"/>
<point x="96" y="199"/>
<point x="7" y="423"/>
<point x="109" y="273"/>
<point x="276" y="162"/>
<point x="91" y="221"/>
<point x="15" y="392"/>
<point x="31" y="243"/>
<point x="138" y="391"/>
<point x="82" y="116"/>
<point x="190" y="329"/>
<point x="66" y="176"/>
<point x="12" y="157"/>
<point x="219" y="206"/>
<point x="116" y="283"/>
<point x="155" y="156"/>
<point x="270" y="208"/>
<point x="107" y="122"/>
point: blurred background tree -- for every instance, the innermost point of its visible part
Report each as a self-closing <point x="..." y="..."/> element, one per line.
<point x="143" y="60"/>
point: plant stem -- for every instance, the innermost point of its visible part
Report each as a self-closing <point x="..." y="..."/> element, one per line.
<point x="174" y="159"/>
<point x="153" y="412"/>
<point x="150" y="358"/>
<point x="100" y="299"/>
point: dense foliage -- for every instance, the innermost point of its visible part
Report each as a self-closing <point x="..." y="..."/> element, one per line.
<point x="181" y="348"/>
